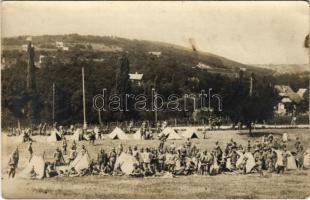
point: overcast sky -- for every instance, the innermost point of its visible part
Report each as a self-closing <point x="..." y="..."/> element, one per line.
<point x="248" y="32"/>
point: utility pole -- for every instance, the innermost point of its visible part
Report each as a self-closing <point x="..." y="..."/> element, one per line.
<point x="84" y="108"/>
<point x="53" y="104"/>
<point x="154" y="89"/>
<point x="155" y="105"/>
<point x="251" y="84"/>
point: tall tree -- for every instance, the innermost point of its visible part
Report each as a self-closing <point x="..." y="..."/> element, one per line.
<point x="123" y="83"/>
<point x="31" y="86"/>
<point x="250" y="104"/>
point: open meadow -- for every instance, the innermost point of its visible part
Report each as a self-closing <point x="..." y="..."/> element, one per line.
<point x="293" y="184"/>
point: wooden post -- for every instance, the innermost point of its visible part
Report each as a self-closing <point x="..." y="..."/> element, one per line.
<point x="53" y="112"/>
<point x="84" y="107"/>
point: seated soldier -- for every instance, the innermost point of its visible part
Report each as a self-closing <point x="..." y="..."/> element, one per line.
<point x="50" y="170"/>
<point x="73" y="172"/>
<point x="137" y="172"/>
<point x="118" y="171"/>
<point x="107" y="170"/>
<point x="33" y="174"/>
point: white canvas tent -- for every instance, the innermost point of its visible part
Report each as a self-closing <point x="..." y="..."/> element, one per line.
<point x="250" y="163"/>
<point x="118" y="133"/>
<point x="76" y="135"/>
<point x="137" y="135"/>
<point x="291" y="162"/>
<point x="80" y="162"/>
<point x="36" y="163"/>
<point x="170" y="133"/>
<point x="241" y="157"/>
<point x="190" y="133"/>
<point x="54" y="137"/>
<point x="126" y="163"/>
<point x="279" y="161"/>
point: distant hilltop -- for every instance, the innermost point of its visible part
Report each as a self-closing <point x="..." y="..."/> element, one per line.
<point x="186" y="56"/>
<point x="286" y="69"/>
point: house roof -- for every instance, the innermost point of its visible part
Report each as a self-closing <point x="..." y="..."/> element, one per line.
<point x="135" y="76"/>
<point x="203" y="66"/>
<point x="286" y="91"/>
<point x="301" y="92"/>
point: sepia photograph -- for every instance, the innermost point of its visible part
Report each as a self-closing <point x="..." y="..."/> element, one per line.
<point x="155" y="100"/>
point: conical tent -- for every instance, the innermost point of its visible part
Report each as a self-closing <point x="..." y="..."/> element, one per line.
<point x="118" y="133"/>
<point x="80" y="162"/>
<point x="137" y="135"/>
<point x="240" y="159"/>
<point x="190" y="133"/>
<point x="76" y="135"/>
<point x="54" y="136"/>
<point x="250" y="162"/>
<point x="126" y="163"/>
<point x="279" y="161"/>
<point x="291" y="162"/>
<point x="37" y="164"/>
<point x="170" y="133"/>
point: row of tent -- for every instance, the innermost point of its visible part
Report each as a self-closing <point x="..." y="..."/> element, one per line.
<point x="118" y="133"/>
<point x="126" y="163"/>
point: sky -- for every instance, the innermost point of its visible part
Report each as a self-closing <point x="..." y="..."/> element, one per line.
<point x="249" y="32"/>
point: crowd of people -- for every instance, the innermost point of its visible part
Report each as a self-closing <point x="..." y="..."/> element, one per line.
<point x="270" y="155"/>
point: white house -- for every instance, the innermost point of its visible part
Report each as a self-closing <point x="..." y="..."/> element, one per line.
<point x="301" y="92"/>
<point x="136" y="78"/>
<point x="203" y="66"/>
<point x="155" y="53"/>
<point x="59" y="44"/>
<point x="24" y="47"/>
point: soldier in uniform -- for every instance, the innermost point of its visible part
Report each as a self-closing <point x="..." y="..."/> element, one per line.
<point x="73" y="147"/>
<point x="73" y="155"/>
<point x="258" y="156"/>
<point x="30" y="150"/>
<point x="13" y="162"/>
<point x="112" y="158"/>
<point x="64" y="146"/>
<point x="58" y="158"/>
<point x="102" y="159"/>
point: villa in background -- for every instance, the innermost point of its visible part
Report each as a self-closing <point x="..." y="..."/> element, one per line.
<point x="136" y="78"/>
<point x="289" y="98"/>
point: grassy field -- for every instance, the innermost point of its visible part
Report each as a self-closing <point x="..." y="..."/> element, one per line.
<point x="294" y="184"/>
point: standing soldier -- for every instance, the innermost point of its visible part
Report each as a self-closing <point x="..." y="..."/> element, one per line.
<point x="44" y="129"/>
<point x="40" y="128"/>
<point x="30" y="150"/>
<point x="92" y="137"/>
<point x="270" y="160"/>
<point x="162" y="142"/>
<point x="112" y="158"/>
<point x="73" y="155"/>
<point x="73" y="147"/>
<point x="258" y="156"/>
<point x="161" y="160"/>
<point x="300" y="157"/>
<point x="64" y="146"/>
<point x="13" y="162"/>
<point x="58" y="158"/>
<point x="102" y="159"/>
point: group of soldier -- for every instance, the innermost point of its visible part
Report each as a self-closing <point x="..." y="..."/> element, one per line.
<point x="270" y="156"/>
